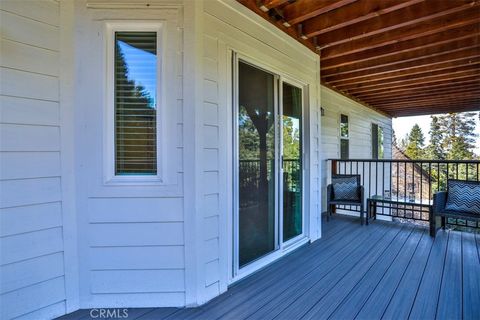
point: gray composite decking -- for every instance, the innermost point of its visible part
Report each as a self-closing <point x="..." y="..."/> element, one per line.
<point x="386" y="270"/>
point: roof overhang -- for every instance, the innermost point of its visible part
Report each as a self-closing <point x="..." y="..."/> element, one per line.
<point x="402" y="57"/>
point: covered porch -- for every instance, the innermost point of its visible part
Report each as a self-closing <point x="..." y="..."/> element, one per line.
<point x="383" y="271"/>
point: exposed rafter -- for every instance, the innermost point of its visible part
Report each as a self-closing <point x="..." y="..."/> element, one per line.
<point x="401" y="57"/>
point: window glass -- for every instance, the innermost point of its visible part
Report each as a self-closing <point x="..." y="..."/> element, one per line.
<point x="344" y="135"/>
<point x="135" y="96"/>
<point x="344" y="132"/>
<point x="377" y="142"/>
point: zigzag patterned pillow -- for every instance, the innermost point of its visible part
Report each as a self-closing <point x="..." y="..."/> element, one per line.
<point x="463" y="196"/>
<point x="345" y="189"/>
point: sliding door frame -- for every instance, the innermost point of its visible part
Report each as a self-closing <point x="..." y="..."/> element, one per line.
<point x="281" y="248"/>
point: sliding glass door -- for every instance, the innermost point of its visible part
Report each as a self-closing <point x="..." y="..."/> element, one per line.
<point x="292" y="161"/>
<point x="256" y="167"/>
<point x="269" y="170"/>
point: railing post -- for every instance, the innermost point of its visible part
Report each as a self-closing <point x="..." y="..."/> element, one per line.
<point x="334" y="172"/>
<point x="334" y="167"/>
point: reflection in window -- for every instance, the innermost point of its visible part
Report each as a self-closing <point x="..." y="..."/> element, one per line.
<point x="256" y="170"/>
<point x="377" y="142"/>
<point x="135" y="103"/>
<point x="292" y="161"/>
<point x="344" y="137"/>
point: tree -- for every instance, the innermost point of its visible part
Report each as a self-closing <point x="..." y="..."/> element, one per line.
<point x="415" y="143"/>
<point x="459" y="135"/>
<point x="434" y="150"/>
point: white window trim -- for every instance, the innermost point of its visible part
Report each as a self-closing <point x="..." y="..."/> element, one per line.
<point x="109" y="133"/>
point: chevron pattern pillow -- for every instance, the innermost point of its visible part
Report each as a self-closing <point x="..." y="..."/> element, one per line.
<point x="345" y="189"/>
<point x="463" y="196"/>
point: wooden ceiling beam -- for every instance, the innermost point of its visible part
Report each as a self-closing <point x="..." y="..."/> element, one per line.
<point x="424" y="102"/>
<point x="425" y="94"/>
<point x="428" y="57"/>
<point x="306" y="9"/>
<point x="420" y="88"/>
<point x="446" y="105"/>
<point x="430" y="83"/>
<point x="434" y="74"/>
<point x="408" y="16"/>
<point x="431" y="110"/>
<point x="408" y="84"/>
<point x="354" y="13"/>
<point x="399" y="48"/>
<point x="462" y="72"/>
<point x="251" y="4"/>
<point x="271" y="4"/>
<point x="410" y="71"/>
<point x="455" y="20"/>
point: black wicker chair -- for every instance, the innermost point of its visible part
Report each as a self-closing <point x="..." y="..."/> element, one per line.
<point x="346" y="190"/>
<point x="465" y="204"/>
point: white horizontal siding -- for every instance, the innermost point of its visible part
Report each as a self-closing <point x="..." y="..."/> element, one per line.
<point x="133" y="281"/>
<point x="132" y="235"/>
<point x="19" y="275"/>
<point x="22" y="165"/>
<point x="32" y="284"/>
<point x="13" y="83"/>
<point x="360" y="120"/>
<point x="30" y="245"/>
<point x="147" y="257"/>
<point x="136" y="234"/>
<point x="27" y="300"/>
<point x="146" y="210"/>
<point x="19" y="28"/>
<point x="46" y="11"/>
<point x="29" y="191"/>
<point x="29" y="218"/>
<point x="25" y="57"/>
<point x="29" y="138"/>
<point x="17" y="110"/>
<point x="228" y="25"/>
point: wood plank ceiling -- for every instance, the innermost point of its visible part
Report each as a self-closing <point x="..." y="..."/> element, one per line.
<point x="401" y="57"/>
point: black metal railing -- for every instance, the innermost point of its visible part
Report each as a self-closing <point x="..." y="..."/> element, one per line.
<point x="414" y="181"/>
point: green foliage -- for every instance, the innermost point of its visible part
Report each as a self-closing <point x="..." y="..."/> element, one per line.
<point x="434" y="150"/>
<point x="415" y="143"/>
<point x="458" y="135"/>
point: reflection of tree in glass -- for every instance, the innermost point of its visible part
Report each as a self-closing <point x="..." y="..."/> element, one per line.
<point x="135" y="122"/>
<point x="291" y="138"/>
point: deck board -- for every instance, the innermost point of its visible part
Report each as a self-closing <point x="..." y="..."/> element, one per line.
<point x="365" y="270"/>
<point x="426" y="299"/>
<point x="403" y="297"/>
<point x="471" y="277"/>
<point x="450" y="298"/>
<point x="269" y="307"/>
<point x="381" y="280"/>
<point x="385" y="270"/>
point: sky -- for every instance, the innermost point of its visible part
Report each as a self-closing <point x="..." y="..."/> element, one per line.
<point x="403" y="125"/>
<point x="142" y="68"/>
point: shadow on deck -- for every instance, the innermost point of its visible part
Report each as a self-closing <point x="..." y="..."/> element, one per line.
<point x="382" y="271"/>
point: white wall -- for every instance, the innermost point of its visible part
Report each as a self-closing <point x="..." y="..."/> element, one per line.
<point x="360" y="126"/>
<point x="229" y="26"/>
<point x="131" y="236"/>
<point x="137" y="245"/>
<point x="32" y="283"/>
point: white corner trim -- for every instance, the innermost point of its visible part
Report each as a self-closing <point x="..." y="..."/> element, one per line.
<point x="67" y="154"/>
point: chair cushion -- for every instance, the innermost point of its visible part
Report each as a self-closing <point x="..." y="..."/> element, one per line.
<point x="345" y="189"/>
<point x="463" y="196"/>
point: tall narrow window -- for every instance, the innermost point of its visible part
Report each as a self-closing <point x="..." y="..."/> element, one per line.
<point x="344" y="137"/>
<point x="135" y="101"/>
<point x="377" y="142"/>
